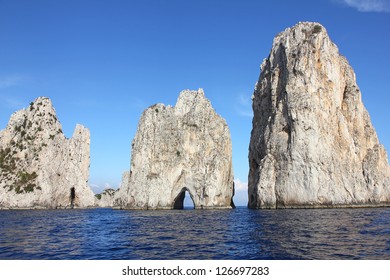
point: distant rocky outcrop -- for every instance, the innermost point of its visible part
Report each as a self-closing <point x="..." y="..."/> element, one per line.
<point x="178" y="149"/>
<point x="312" y="142"/>
<point x="39" y="167"/>
<point x="105" y="199"/>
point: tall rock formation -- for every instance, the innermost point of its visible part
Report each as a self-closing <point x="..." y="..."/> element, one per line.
<point x="39" y="167"/>
<point x="312" y="142"/>
<point x="178" y="149"/>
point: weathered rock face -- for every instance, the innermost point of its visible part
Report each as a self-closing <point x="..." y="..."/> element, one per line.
<point x="121" y="194"/>
<point x="39" y="167"/>
<point x="312" y="142"/>
<point x="178" y="149"/>
<point x="105" y="199"/>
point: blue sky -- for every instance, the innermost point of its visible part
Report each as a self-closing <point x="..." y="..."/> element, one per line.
<point x="103" y="62"/>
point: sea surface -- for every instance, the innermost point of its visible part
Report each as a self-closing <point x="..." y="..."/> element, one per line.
<point x="195" y="234"/>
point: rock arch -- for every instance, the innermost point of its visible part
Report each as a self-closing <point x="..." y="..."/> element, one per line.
<point x="186" y="147"/>
<point x="178" y="202"/>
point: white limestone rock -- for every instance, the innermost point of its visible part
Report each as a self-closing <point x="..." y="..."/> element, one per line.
<point x="120" y="197"/>
<point x="39" y="167"/>
<point x="178" y="149"/>
<point x="105" y="199"/>
<point x="312" y="142"/>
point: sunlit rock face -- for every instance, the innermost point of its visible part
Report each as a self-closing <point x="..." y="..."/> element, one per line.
<point x="176" y="149"/>
<point x="312" y="141"/>
<point x="39" y="166"/>
<point x="105" y="199"/>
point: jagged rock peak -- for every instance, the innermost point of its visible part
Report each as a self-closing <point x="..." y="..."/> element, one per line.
<point x="301" y="33"/>
<point x="312" y="141"/>
<point x="39" y="166"/>
<point x="39" y="116"/>
<point x="179" y="149"/>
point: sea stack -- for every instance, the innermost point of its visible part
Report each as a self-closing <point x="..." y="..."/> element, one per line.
<point x="312" y="142"/>
<point x="39" y="167"/>
<point x="177" y="149"/>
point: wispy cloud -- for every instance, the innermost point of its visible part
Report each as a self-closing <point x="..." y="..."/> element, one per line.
<point x="12" y="80"/>
<point x="244" y="106"/>
<point x="240" y="186"/>
<point x="14" y="103"/>
<point x="369" y="5"/>
<point x="99" y="189"/>
<point x="96" y="188"/>
<point x="241" y="193"/>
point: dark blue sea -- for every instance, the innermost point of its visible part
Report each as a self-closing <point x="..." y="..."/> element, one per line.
<point x="195" y="234"/>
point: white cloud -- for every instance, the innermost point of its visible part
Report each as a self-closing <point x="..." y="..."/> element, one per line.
<point x="13" y="102"/>
<point x="108" y="186"/>
<point x="241" y="193"/>
<point x="95" y="188"/>
<point x="240" y="186"/>
<point x="244" y="106"/>
<point x="369" y="5"/>
<point x="99" y="189"/>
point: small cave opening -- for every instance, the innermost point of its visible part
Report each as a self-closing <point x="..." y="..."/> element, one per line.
<point x="72" y="196"/>
<point x="231" y="201"/>
<point x="184" y="200"/>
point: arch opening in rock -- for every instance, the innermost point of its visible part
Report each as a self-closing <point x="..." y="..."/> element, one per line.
<point x="184" y="200"/>
<point x="72" y="196"/>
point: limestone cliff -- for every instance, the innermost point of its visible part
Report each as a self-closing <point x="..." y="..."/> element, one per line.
<point x="178" y="149"/>
<point x="39" y="167"/>
<point x="312" y="142"/>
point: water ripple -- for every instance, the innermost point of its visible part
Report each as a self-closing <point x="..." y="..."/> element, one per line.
<point x="230" y="234"/>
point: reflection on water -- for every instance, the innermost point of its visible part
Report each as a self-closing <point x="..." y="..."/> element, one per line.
<point x="221" y="234"/>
